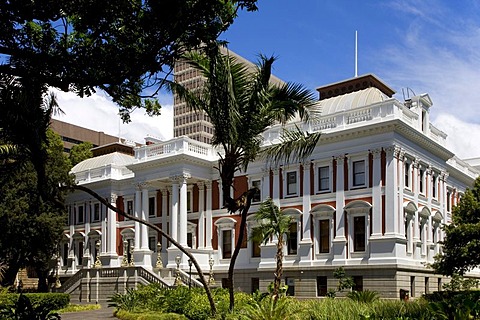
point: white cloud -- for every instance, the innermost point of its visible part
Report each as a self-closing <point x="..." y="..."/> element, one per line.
<point x="443" y="60"/>
<point x="99" y="113"/>
<point x="463" y="137"/>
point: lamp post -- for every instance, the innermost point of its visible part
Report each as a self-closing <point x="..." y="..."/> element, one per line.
<point x="131" y="263"/>
<point x="125" y="253"/>
<point x="190" y="279"/>
<point x="159" y="263"/>
<point x="58" y="284"/>
<point x="98" y="263"/>
<point x="211" y="280"/>
<point x="178" y="280"/>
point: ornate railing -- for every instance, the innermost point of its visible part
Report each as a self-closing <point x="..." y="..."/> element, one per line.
<point x="186" y="277"/>
<point x="70" y="284"/>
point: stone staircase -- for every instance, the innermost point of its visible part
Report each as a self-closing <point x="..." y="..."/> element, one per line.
<point x="97" y="285"/>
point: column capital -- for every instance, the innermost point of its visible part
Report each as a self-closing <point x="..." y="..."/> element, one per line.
<point x="340" y="159"/>
<point x="164" y="190"/>
<point x="139" y="186"/>
<point x="376" y="153"/>
<point x="306" y="165"/>
<point x="393" y="151"/>
<point x="200" y="185"/>
<point x="207" y="184"/>
<point x="113" y="198"/>
<point x="429" y="170"/>
<point x="276" y="170"/>
<point x="416" y="163"/>
<point x="444" y="175"/>
<point x="180" y="177"/>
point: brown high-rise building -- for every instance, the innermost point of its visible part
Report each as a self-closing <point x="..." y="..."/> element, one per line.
<point x="191" y="123"/>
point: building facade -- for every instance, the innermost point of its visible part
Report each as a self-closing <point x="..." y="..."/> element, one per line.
<point x="371" y="198"/>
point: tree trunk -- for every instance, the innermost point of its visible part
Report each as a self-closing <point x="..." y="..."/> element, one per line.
<point x="233" y="259"/>
<point x="278" y="270"/>
<point x="42" y="280"/>
<point x="164" y="234"/>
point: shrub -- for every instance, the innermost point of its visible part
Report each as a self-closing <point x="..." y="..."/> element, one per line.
<point x="126" y="315"/>
<point x="25" y="309"/>
<point x="267" y="309"/>
<point x="50" y="301"/>
<point x="176" y="300"/>
<point x="363" y="296"/>
<point x="128" y="301"/>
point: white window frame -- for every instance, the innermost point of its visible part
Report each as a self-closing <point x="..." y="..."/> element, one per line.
<point x="351" y="172"/>
<point x="296" y="216"/>
<point x="355" y="209"/>
<point x="222" y="224"/>
<point x="407" y="173"/>
<point x="259" y="187"/>
<point x="78" y="215"/>
<point x="434" y="187"/>
<point x="190" y="198"/>
<point x="409" y="222"/>
<point x="192" y="228"/>
<point x="154" y="196"/>
<point x="318" y="166"/>
<point x="252" y="223"/>
<point x="323" y="212"/>
<point x="95" y="204"/>
<point x="286" y="173"/>
<point x="422" y="180"/>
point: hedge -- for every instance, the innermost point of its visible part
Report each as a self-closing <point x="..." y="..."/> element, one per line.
<point x="49" y="301"/>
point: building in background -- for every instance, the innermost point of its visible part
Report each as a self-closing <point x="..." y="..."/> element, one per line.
<point x="371" y="198"/>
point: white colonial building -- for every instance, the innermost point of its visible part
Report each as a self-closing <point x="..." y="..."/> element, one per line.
<point x="372" y="198"/>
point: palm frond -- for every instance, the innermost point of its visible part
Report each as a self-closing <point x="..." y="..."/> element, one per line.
<point x="295" y="145"/>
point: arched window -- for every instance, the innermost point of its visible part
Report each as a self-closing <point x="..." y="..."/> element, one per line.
<point x="226" y="236"/>
<point x="323" y="222"/>
<point x="294" y="231"/>
<point x="409" y="215"/>
<point x="358" y="213"/>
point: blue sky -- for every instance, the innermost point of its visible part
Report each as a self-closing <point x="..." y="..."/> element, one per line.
<point x="424" y="45"/>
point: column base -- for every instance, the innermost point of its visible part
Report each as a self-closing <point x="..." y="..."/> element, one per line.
<point x="305" y="249"/>
<point x="143" y="258"/>
<point x="109" y="260"/>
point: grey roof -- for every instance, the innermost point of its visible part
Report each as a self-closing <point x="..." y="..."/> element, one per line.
<point x="115" y="158"/>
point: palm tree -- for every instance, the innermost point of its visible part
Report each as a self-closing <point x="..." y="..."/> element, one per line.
<point x="273" y="224"/>
<point x="241" y="105"/>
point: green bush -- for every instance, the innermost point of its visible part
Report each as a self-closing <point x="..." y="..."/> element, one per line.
<point x="176" y="300"/>
<point x="125" y="315"/>
<point x="24" y="309"/>
<point x="363" y="296"/>
<point x="50" y="301"/>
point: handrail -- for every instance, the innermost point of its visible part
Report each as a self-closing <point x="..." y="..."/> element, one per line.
<point x="186" y="277"/>
<point x="67" y="285"/>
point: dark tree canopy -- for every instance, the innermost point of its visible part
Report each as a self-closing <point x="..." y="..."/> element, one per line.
<point x="124" y="47"/>
<point x="80" y="152"/>
<point x="30" y="228"/>
<point x="461" y="246"/>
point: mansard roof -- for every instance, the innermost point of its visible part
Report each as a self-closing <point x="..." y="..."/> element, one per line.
<point x="352" y="100"/>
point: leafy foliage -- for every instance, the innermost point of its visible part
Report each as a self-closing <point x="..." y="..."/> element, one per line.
<point x="271" y="309"/>
<point x="365" y="296"/>
<point x="344" y="282"/>
<point x="119" y="46"/>
<point x="80" y="152"/>
<point x="25" y="310"/>
<point x="273" y="223"/>
<point x="461" y="246"/>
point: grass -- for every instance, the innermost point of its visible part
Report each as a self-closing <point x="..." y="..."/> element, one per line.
<point x="79" y="307"/>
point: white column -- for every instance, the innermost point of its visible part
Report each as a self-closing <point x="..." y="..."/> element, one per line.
<point x="428" y="234"/>
<point x="174" y="211"/>
<point x="377" y="193"/>
<point x="220" y="193"/>
<point x="276" y="187"/>
<point x="391" y="185"/>
<point x="112" y="234"/>
<point x="164" y="215"/>
<point x="138" y="209"/>
<point x="183" y="210"/>
<point x="340" y="199"/>
<point x="208" y="216"/>
<point x="306" y="234"/>
<point x="112" y="226"/>
<point x="144" y="228"/>
<point x="103" y="245"/>
<point x="88" y="214"/>
<point x="265" y="184"/>
<point x="415" y="186"/>
<point x="201" y="218"/>
<point x="401" y="187"/>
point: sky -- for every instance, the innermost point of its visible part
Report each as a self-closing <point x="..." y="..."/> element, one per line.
<point x="415" y="46"/>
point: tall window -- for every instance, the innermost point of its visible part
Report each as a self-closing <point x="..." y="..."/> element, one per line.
<point x="151" y="207"/>
<point x="152" y="244"/>
<point x="257" y="196"/>
<point x="449" y="196"/>
<point x="323" y="178"/>
<point x="324" y="243"/>
<point x="434" y="187"/>
<point x="407" y="174"/>
<point x="189" y="201"/>
<point x="227" y="244"/>
<point x="321" y="286"/>
<point x="80" y="253"/>
<point x="292" y="239"/>
<point x="359" y="173"/>
<point x="422" y="177"/>
<point x="255" y="248"/>
<point x="96" y="212"/>
<point x="80" y="214"/>
<point x="65" y="253"/>
<point x="359" y="233"/>
<point x="130" y="207"/>
<point x="291" y="183"/>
